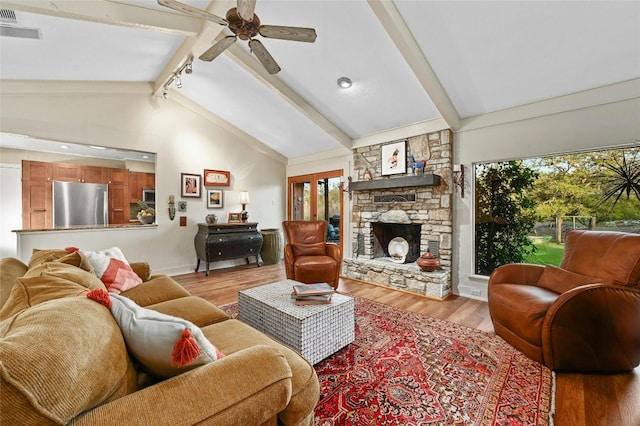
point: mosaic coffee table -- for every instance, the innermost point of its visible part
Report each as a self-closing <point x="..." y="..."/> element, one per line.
<point x="314" y="331"/>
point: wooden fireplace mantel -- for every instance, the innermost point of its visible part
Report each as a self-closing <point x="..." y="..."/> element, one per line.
<point x="400" y="182"/>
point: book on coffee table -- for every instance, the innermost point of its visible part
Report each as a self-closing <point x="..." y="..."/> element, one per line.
<point x="312" y="289"/>
<point x="319" y="299"/>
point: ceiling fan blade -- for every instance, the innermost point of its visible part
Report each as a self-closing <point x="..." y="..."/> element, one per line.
<point x="264" y="56"/>
<point x="193" y="11"/>
<point x="307" y="35"/>
<point x="218" y="48"/>
<point x="246" y="9"/>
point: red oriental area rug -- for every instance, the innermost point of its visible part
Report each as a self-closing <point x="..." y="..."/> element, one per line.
<point x="408" y="369"/>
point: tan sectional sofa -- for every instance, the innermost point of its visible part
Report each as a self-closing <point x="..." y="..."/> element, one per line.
<point x="63" y="359"/>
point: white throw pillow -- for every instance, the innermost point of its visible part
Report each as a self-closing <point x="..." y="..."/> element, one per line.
<point x="151" y="337"/>
<point x="113" y="269"/>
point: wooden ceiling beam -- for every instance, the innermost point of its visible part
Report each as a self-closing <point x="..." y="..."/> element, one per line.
<point x="112" y="13"/>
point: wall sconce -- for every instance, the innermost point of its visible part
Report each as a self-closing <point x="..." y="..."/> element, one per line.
<point x="458" y="177"/>
<point x="348" y="187"/>
<point x="244" y="200"/>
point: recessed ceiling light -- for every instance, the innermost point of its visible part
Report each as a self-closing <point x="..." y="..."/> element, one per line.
<point x="344" y="82"/>
<point x="97" y="147"/>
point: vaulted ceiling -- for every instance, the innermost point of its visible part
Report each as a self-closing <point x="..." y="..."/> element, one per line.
<point x="426" y="65"/>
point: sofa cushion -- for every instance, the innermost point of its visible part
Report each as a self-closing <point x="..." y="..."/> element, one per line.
<point x="48" y="281"/>
<point x="233" y="335"/>
<point x="77" y="259"/>
<point x="152" y="336"/>
<point x="10" y="270"/>
<point x="60" y="358"/>
<point x="142" y="269"/>
<point x="113" y="269"/>
<point x="521" y="309"/>
<point x="560" y="280"/>
<point x="39" y="256"/>
<point x="313" y="249"/>
<point x="159" y="288"/>
<point x="193" y="309"/>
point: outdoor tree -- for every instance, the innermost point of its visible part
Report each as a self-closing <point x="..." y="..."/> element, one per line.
<point x="620" y="175"/>
<point x="504" y="214"/>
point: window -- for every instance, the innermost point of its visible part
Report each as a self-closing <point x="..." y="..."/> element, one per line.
<point x="523" y="207"/>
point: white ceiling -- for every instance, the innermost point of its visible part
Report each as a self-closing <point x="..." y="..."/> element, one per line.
<point x="412" y="62"/>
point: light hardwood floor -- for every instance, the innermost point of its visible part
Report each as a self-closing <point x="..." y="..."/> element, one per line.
<point x="581" y="399"/>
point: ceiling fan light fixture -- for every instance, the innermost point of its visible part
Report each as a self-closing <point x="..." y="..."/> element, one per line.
<point x="344" y="82"/>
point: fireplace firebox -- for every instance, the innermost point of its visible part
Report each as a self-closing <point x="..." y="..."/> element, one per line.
<point x="383" y="233"/>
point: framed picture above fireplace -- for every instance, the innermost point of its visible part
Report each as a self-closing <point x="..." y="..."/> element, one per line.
<point x="394" y="158"/>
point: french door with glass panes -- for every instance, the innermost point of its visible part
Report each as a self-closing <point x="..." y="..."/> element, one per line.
<point x="318" y="196"/>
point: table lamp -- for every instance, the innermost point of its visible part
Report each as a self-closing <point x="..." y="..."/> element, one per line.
<point x="244" y="200"/>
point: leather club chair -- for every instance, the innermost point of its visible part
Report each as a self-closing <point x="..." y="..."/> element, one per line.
<point x="307" y="257"/>
<point x="583" y="316"/>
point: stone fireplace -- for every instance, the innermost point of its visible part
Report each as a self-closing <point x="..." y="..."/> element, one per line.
<point x="414" y="207"/>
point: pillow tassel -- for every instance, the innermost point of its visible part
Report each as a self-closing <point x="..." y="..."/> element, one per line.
<point x="101" y="296"/>
<point x="186" y="350"/>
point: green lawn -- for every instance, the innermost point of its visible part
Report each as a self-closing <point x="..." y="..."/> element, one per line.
<point x="547" y="254"/>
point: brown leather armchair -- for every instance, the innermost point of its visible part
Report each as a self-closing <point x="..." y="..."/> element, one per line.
<point x="307" y="257"/>
<point x="583" y="316"/>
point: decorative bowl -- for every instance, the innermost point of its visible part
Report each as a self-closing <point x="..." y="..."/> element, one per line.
<point x="147" y="220"/>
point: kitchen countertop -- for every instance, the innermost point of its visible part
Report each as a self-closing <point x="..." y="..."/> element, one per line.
<point x="132" y="225"/>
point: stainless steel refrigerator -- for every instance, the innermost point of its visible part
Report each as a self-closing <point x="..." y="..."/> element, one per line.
<point x="77" y="204"/>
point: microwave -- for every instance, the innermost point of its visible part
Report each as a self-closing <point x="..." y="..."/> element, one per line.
<point x="149" y="196"/>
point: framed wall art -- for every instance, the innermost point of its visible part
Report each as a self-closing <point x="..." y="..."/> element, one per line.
<point x="214" y="198"/>
<point x="217" y="178"/>
<point x="394" y="158"/>
<point x="190" y="185"/>
<point x="235" y="218"/>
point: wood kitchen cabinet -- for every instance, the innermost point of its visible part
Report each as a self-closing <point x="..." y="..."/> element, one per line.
<point x="118" y="204"/>
<point x="139" y="181"/>
<point x="37" y="192"/>
<point x="118" y="180"/>
<point x="37" y="204"/>
<point x="67" y="172"/>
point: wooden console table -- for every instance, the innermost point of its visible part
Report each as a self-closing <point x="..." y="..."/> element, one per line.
<point x="227" y="241"/>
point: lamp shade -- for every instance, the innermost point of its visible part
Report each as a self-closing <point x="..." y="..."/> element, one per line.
<point x="244" y="197"/>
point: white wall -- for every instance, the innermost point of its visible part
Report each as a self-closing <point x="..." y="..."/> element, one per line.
<point x="11" y="211"/>
<point x="185" y="138"/>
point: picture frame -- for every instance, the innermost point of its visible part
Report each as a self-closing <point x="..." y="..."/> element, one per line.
<point x="214" y="199"/>
<point x="182" y="206"/>
<point x="235" y="218"/>
<point x="217" y="178"/>
<point x="394" y="158"/>
<point x="190" y="185"/>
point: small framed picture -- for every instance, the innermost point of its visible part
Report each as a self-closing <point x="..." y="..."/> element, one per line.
<point x="217" y="178"/>
<point x="214" y="198"/>
<point x="190" y="185"/>
<point x="235" y="218"/>
<point x="394" y="158"/>
<point x="182" y="206"/>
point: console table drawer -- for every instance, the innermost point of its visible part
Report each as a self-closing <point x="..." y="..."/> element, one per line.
<point x="227" y="241"/>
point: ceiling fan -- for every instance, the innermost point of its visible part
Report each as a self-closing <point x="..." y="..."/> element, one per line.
<point x="244" y="24"/>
